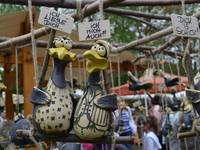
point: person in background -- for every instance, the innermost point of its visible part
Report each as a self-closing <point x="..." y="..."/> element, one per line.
<point x="150" y="128"/>
<point x="124" y="123"/>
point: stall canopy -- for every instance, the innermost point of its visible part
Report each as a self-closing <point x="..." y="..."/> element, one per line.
<point x="158" y="86"/>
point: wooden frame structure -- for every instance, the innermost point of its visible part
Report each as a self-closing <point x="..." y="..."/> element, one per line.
<point x="89" y="7"/>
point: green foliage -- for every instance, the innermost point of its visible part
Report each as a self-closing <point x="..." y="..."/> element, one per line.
<point x="6" y="8"/>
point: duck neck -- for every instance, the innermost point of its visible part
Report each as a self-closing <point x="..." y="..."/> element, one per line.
<point x="58" y="76"/>
<point x="94" y="78"/>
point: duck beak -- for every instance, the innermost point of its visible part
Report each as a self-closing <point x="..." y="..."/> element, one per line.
<point x="62" y="54"/>
<point x="94" y="61"/>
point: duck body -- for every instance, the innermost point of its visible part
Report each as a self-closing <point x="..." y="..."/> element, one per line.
<point x="56" y="115"/>
<point x="53" y="106"/>
<point x="90" y="120"/>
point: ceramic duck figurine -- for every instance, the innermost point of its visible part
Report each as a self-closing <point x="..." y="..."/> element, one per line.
<point x="93" y="111"/>
<point x="54" y="106"/>
<point x="136" y="85"/>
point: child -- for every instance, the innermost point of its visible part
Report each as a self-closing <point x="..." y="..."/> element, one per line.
<point x="150" y="141"/>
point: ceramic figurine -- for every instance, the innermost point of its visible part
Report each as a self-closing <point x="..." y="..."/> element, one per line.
<point x="93" y="112"/>
<point x="169" y="82"/>
<point x="135" y="84"/>
<point x="53" y="106"/>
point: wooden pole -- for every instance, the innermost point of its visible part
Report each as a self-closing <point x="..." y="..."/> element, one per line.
<point x="72" y="3"/>
<point x="8" y="92"/>
<point x="74" y="139"/>
<point x="28" y="79"/>
<point x="119" y="11"/>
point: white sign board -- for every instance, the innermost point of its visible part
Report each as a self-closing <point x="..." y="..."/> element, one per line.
<point x="186" y="26"/>
<point x="55" y="20"/>
<point x="94" y="30"/>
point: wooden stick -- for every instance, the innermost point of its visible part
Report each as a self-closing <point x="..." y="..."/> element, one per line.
<point x="23" y="39"/>
<point x="119" y="11"/>
<point x="74" y="139"/>
<point x="140" y="20"/>
<point x="72" y="4"/>
<point x="186" y="134"/>
<point x="46" y="58"/>
<point x="144" y="40"/>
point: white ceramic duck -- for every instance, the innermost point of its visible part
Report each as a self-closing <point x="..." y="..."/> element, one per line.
<point x="53" y="107"/>
<point x="93" y="112"/>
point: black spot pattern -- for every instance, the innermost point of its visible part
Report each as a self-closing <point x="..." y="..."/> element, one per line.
<point x="52" y="118"/>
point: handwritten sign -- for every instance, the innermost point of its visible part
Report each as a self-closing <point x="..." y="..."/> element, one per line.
<point x="94" y="30"/>
<point x="55" y="20"/>
<point x="186" y="26"/>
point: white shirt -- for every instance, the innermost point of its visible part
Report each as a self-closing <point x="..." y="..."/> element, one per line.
<point x="151" y="142"/>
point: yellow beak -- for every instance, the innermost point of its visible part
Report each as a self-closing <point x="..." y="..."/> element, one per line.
<point x="62" y="54"/>
<point x="95" y="61"/>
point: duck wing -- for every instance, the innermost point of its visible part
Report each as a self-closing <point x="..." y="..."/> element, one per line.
<point x="40" y="96"/>
<point x="107" y="102"/>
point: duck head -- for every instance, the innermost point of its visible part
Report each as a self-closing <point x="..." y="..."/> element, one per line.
<point x="62" y="46"/>
<point x="61" y="55"/>
<point x="97" y="56"/>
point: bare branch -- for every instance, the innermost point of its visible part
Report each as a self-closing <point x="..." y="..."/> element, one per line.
<point x="90" y="9"/>
<point x="23" y="39"/>
<point x="149" y="38"/>
<point x="72" y="3"/>
<point x="141" y="20"/>
<point x="167" y="44"/>
<point x="119" y="11"/>
<point x="146" y="39"/>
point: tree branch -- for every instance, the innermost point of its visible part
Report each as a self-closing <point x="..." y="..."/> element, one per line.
<point x="89" y="9"/>
<point x="149" y="38"/>
<point x="72" y="3"/>
<point x="119" y="11"/>
<point x="141" y="20"/>
<point x="146" y="39"/>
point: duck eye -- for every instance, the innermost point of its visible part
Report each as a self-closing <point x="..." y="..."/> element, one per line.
<point x="101" y="51"/>
<point x="95" y="47"/>
<point x="68" y="44"/>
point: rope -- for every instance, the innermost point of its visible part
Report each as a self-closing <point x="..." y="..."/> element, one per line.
<point x="17" y="79"/>
<point x="78" y="7"/>
<point x="103" y="82"/>
<point x="34" y="49"/>
<point x="135" y="70"/>
<point x="71" y="75"/>
<point x="183" y="7"/>
<point x="79" y="71"/>
<point x="101" y="9"/>
<point x="186" y="145"/>
<point x="170" y="68"/>
<point x="84" y="70"/>
<point x="111" y="74"/>
<point x="119" y="73"/>
<point x="177" y="67"/>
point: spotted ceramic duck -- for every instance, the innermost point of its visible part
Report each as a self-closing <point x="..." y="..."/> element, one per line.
<point x="54" y="106"/>
<point x="93" y="112"/>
